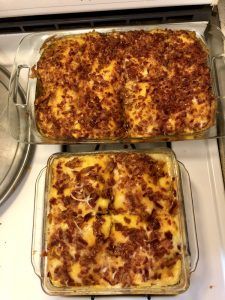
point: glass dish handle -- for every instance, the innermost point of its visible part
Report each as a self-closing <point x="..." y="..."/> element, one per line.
<point x="217" y="67"/>
<point x="36" y="254"/>
<point x="190" y="217"/>
<point x="17" y="84"/>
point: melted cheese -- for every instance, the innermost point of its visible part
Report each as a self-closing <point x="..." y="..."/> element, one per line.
<point x="79" y="193"/>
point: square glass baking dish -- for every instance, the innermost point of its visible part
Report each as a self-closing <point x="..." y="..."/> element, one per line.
<point x="189" y="242"/>
<point x="23" y="127"/>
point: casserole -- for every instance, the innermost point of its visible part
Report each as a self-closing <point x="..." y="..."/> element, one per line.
<point x="142" y="85"/>
<point x="33" y="132"/>
<point x="120" y="223"/>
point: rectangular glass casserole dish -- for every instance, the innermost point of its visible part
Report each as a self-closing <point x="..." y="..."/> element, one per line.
<point x="47" y="207"/>
<point x="25" y="129"/>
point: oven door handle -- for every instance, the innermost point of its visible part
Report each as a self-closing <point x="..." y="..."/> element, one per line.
<point x="16" y="83"/>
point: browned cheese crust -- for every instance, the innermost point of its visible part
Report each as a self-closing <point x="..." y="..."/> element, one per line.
<point x="113" y="222"/>
<point x="124" y="84"/>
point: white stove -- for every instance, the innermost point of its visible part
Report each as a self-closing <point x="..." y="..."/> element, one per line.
<point x="12" y="8"/>
<point x="201" y="158"/>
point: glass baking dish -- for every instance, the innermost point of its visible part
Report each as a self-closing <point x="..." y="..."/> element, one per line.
<point x="189" y="242"/>
<point x="24" y="127"/>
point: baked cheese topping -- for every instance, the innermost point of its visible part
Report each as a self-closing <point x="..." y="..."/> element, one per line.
<point x="79" y="88"/>
<point x="123" y="84"/>
<point x="167" y="86"/>
<point x="113" y="221"/>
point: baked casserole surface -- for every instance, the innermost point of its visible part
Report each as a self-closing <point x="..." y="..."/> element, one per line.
<point x="123" y="84"/>
<point x="113" y="221"/>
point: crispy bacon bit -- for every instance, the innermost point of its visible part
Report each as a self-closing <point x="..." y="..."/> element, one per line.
<point x="63" y="273"/>
<point x="156" y="276"/>
<point x="146" y="274"/>
<point x="72" y="164"/>
<point x="173" y="207"/>
<point x="97" y="228"/>
<point x="168" y="235"/>
<point x="119" y="227"/>
<point x="53" y="201"/>
<point x="87" y="217"/>
<point x="153" y="221"/>
<point x="127" y="220"/>
<point x="170" y="262"/>
<point x="81" y="243"/>
<point x="44" y="253"/>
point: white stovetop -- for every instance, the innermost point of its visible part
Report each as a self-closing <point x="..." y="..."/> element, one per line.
<point x="17" y="278"/>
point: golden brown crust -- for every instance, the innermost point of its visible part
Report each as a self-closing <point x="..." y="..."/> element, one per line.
<point x="124" y="84"/>
<point x="113" y="221"/>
